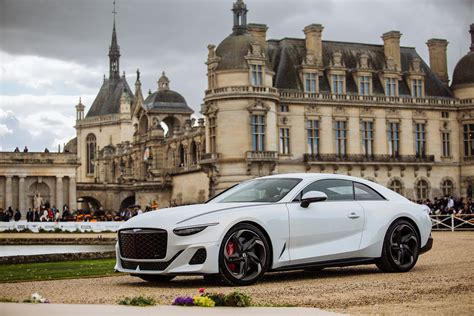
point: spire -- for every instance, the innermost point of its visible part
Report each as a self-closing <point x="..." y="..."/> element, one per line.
<point x="471" y="30"/>
<point x="240" y="17"/>
<point x="114" y="54"/>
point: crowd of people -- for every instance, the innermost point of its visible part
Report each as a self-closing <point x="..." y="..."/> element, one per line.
<point x="53" y="214"/>
<point x="449" y="205"/>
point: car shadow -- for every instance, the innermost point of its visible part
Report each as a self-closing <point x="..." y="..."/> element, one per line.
<point x="269" y="278"/>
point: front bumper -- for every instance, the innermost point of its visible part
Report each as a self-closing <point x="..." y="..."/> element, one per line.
<point x="428" y="246"/>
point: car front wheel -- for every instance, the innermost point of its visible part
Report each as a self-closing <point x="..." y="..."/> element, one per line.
<point x="244" y="255"/>
<point x="400" y="248"/>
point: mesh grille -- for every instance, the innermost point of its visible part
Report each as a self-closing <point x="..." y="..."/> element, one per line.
<point x="199" y="257"/>
<point x="143" y="243"/>
<point x="149" y="266"/>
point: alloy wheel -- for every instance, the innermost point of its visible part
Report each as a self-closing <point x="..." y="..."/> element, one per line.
<point x="244" y="255"/>
<point x="403" y="245"/>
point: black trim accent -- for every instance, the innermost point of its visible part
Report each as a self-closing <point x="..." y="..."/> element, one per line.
<point x="199" y="257"/>
<point x="283" y="250"/>
<point x="150" y="265"/>
<point x="329" y="263"/>
<point x="428" y="246"/>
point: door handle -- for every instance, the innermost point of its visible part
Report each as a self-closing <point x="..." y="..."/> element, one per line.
<point x="353" y="215"/>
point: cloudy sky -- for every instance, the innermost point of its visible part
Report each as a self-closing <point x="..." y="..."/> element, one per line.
<point x="54" y="51"/>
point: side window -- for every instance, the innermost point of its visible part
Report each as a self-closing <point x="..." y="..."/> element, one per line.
<point x="365" y="193"/>
<point x="335" y="189"/>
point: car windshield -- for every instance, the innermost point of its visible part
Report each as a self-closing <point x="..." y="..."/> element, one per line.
<point x="261" y="190"/>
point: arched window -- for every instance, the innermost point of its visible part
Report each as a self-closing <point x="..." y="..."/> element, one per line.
<point x="447" y="187"/>
<point x="396" y="186"/>
<point x="143" y="126"/>
<point x="91" y="143"/>
<point x="422" y="190"/>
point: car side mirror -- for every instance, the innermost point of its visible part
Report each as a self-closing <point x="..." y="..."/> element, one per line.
<point x="311" y="197"/>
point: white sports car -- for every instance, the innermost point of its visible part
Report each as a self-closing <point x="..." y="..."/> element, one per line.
<point x="280" y="222"/>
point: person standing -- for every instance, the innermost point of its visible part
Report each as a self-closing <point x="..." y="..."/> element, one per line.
<point x="29" y="215"/>
<point x="36" y="215"/>
<point x="17" y="216"/>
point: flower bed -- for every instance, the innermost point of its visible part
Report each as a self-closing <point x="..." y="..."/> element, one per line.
<point x="204" y="299"/>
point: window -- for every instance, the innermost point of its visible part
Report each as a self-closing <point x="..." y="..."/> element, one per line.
<point x="341" y="138"/>
<point x="284" y="108"/>
<point x="368" y="138"/>
<point x="468" y="140"/>
<point x="312" y="128"/>
<point x="258" y="132"/>
<point x="364" y="85"/>
<point x="284" y="141"/>
<point x="310" y="82"/>
<point x="447" y="187"/>
<point x="91" y="143"/>
<point x="257" y="75"/>
<point x="212" y="79"/>
<point x="416" y="88"/>
<point x="338" y="84"/>
<point x="393" y="139"/>
<point x="212" y="134"/>
<point x="446" y="144"/>
<point x="365" y="193"/>
<point x="445" y="114"/>
<point x="396" y="186"/>
<point x="420" y="139"/>
<point x="390" y="87"/>
<point x="335" y="189"/>
<point x="422" y="190"/>
<point x="261" y="190"/>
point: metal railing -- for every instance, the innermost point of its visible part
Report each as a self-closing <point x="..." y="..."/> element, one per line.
<point x="452" y="222"/>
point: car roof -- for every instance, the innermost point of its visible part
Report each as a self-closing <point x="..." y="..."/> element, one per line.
<point x="313" y="176"/>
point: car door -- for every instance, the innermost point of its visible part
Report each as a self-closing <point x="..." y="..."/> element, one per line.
<point x="326" y="230"/>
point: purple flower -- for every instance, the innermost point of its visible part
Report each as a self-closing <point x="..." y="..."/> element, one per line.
<point x="183" y="301"/>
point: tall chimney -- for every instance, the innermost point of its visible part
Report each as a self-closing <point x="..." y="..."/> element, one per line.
<point x="391" y="45"/>
<point x="314" y="44"/>
<point x="258" y="31"/>
<point x="472" y="37"/>
<point x="438" y="58"/>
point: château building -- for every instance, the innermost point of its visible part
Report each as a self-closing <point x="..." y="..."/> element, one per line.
<point x="376" y="111"/>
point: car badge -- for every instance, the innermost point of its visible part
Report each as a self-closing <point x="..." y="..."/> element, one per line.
<point x="136" y="230"/>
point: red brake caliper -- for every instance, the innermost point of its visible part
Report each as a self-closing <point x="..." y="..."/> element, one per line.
<point x="230" y="251"/>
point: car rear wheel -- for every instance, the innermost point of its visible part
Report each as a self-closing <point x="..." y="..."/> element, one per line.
<point x="155" y="278"/>
<point x="244" y="255"/>
<point x="400" y="248"/>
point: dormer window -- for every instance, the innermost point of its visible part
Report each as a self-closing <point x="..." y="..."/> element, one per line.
<point x="256" y="75"/>
<point x="310" y="82"/>
<point x="364" y="85"/>
<point x="338" y="84"/>
<point x="391" y="87"/>
<point x="416" y="88"/>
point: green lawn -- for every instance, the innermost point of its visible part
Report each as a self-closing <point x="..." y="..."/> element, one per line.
<point x="56" y="270"/>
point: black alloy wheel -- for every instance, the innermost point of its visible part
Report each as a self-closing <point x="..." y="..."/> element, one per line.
<point x="401" y="248"/>
<point x="244" y="255"/>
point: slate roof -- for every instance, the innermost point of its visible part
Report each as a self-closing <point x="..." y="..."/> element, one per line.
<point x="167" y="101"/>
<point x="464" y="70"/>
<point x="107" y="100"/>
<point x="287" y="55"/>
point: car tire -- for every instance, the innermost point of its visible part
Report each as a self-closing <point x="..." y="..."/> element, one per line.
<point x="244" y="255"/>
<point x="401" y="248"/>
<point x="155" y="278"/>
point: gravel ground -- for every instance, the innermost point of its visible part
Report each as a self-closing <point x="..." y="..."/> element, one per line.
<point x="441" y="283"/>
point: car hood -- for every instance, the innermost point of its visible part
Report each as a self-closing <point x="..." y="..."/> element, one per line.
<point x="181" y="216"/>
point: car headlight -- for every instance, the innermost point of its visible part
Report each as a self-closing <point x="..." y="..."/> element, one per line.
<point x="191" y="230"/>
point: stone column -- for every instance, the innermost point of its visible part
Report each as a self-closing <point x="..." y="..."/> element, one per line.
<point x="22" y="195"/>
<point x="8" y="192"/>
<point x="59" y="192"/>
<point x="72" y="194"/>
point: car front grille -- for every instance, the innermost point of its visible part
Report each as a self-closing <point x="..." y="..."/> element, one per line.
<point x="143" y="243"/>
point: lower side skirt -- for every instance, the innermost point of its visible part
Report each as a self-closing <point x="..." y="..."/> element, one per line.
<point x="327" y="264"/>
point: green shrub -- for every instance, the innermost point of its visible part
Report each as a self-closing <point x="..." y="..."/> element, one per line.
<point x="138" y="301"/>
<point x="7" y="300"/>
<point x="237" y="299"/>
